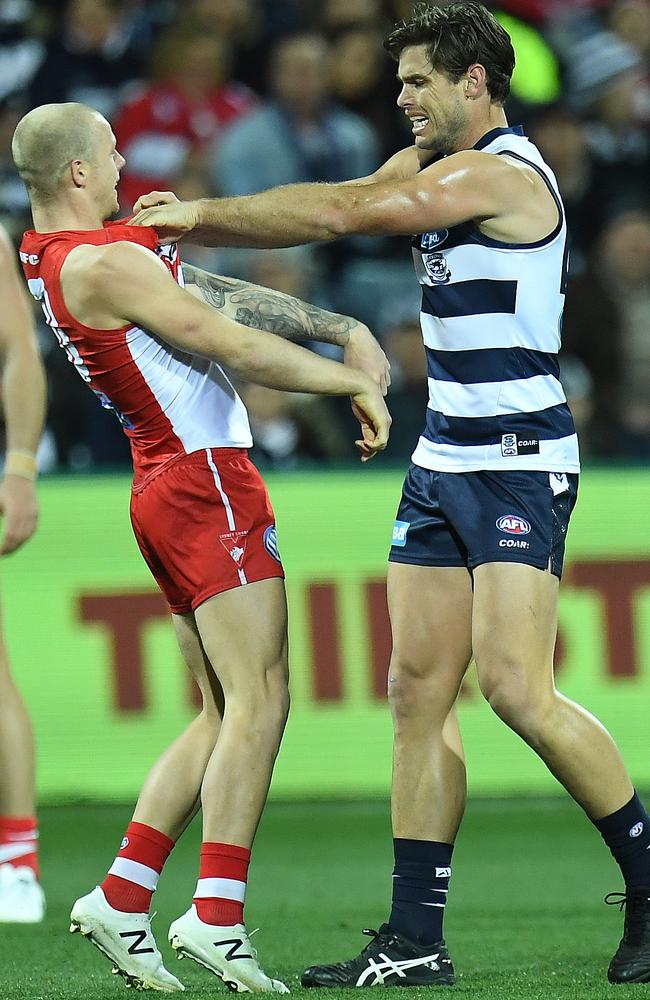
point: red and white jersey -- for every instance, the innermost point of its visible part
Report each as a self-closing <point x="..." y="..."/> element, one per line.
<point x="170" y="403"/>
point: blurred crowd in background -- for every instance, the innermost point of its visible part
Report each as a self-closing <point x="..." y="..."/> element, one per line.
<point x="228" y="97"/>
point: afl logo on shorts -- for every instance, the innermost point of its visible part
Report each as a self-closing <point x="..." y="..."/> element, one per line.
<point x="513" y="525"/>
<point x="271" y="543"/>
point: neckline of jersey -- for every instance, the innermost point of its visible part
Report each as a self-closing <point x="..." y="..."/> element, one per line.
<point x="494" y="133"/>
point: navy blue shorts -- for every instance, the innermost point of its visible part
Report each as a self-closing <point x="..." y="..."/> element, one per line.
<point x="469" y="518"/>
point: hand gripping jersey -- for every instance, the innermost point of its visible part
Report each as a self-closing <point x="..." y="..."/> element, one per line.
<point x="491" y="321"/>
<point x="170" y="403"/>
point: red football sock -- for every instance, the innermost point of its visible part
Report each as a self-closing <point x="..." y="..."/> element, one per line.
<point x="19" y="842"/>
<point x="221" y="889"/>
<point x="133" y="876"/>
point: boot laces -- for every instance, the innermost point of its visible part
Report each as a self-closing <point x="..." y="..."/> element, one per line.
<point x="637" y="915"/>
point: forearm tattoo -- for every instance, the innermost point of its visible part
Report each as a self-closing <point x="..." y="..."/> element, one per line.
<point x="265" y="309"/>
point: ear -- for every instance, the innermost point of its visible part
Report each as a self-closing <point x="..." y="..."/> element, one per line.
<point x="79" y="173"/>
<point x="475" y="82"/>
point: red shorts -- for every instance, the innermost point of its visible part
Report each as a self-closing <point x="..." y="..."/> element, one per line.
<point x="205" y="525"/>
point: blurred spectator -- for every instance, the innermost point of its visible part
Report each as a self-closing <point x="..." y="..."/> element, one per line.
<point x="630" y="19"/>
<point x="583" y="181"/>
<point x="240" y="25"/>
<point x="339" y="15"/>
<point x="89" y="58"/>
<point x="180" y="114"/>
<point x="21" y="49"/>
<point x="578" y="388"/>
<point x="363" y="80"/>
<point x="290" y="428"/>
<point x="14" y="204"/>
<point x="606" y="86"/>
<point x="300" y="135"/>
<point x="606" y="325"/>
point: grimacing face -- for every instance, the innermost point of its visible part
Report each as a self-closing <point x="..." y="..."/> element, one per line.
<point x="433" y="104"/>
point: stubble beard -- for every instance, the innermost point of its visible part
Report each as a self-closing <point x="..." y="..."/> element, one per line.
<point x="447" y="138"/>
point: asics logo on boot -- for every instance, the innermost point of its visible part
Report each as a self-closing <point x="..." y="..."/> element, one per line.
<point x="231" y="954"/>
<point x="389" y="967"/>
<point x="134" y="947"/>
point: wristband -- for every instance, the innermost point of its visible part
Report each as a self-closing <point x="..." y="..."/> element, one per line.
<point x="21" y="463"/>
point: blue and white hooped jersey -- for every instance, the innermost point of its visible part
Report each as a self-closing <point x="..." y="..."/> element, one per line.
<point x="491" y="321"/>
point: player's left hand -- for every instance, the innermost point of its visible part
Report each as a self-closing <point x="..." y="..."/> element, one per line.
<point x="19" y="506"/>
<point x="172" y="219"/>
<point x="363" y="352"/>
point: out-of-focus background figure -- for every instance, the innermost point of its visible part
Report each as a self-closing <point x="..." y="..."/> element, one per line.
<point x="22" y="900"/>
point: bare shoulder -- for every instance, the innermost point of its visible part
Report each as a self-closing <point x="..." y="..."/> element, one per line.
<point x="470" y="162"/>
<point x="399" y="167"/>
<point x="93" y="264"/>
<point x="99" y="282"/>
<point x="495" y="183"/>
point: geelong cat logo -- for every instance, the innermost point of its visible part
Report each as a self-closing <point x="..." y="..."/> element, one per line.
<point x="513" y="525"/>
<point x="436" y="267"/>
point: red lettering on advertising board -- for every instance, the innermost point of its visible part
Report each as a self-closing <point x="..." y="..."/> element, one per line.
<point x="323" y="611"/>
<point x="124" y="615"/>
<point x="618" y="582"/>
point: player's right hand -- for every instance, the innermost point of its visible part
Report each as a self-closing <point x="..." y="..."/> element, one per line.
<point x="172" y="219"/>
<point x="19" y="506"/>
<point x="370" y="410"/>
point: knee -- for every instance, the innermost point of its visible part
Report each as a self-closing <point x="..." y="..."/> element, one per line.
<point x="263" y="697"/>
<point x="524" y="706"/>
<point x="417" y="691"/>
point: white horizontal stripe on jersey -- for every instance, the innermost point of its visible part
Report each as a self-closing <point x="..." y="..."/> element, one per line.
<point x="555" y="455"/>
<point x="463" y="333"/>
<point x="9" y="852"/>
<point x="490" y="399"/>
<point x="133" y="871"/>
<point x="220" y="888"/>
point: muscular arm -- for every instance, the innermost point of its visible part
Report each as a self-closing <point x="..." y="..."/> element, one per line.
<point x="467" y="185"/>
<point x="266" y="309"/>
<point x="285" y="316"/>
<point x="107" y="287"/>
<point x="23" y="400"/>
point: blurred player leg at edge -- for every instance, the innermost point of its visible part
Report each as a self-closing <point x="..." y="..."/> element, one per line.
<point x="23" y="394"/>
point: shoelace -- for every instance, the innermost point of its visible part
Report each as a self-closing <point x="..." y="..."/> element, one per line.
<point x="637" y="921"/>
<point x="616" y="899"/>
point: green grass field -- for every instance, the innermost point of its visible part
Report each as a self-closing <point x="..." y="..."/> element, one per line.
<point x="525" y="920"/>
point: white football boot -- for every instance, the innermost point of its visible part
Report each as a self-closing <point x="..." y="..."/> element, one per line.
<point x="22" y="901"/>
<point x="125" y="938"/>
<point x="225" y="951"/>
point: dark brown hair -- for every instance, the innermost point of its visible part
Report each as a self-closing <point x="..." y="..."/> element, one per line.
<point x="456" y="36"/>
